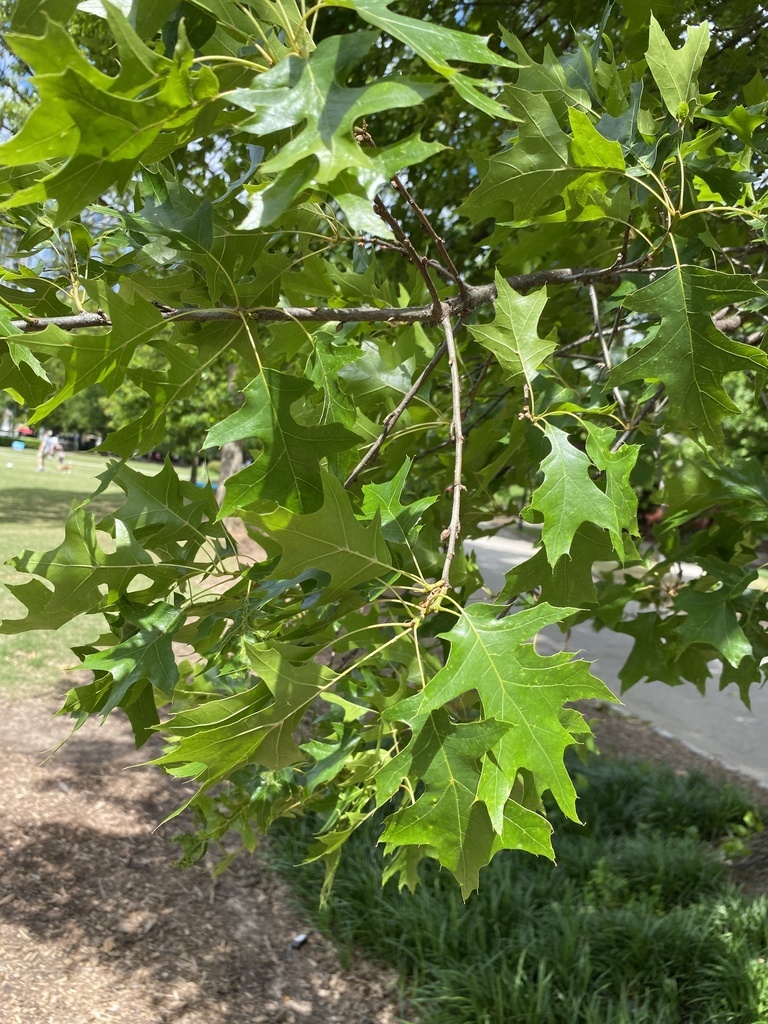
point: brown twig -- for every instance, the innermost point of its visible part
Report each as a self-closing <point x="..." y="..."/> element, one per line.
<point x="654" y="404"/>
<point x="451" y="535"/>
<point x="383" y="243"/>
<point x="472" y="393"/>
<point x="622" y="257"/>
<point x="394" y="416"/>
<point x="468" y="427"/>
<point x="565" y="349"/>
<point x="418" y="261"/>
<point x="604" y="345"/>
<point x="477" y="295"/>
<point x="439" y="241"/>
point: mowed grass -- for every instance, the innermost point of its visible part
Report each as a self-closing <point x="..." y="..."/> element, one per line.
<point x="33" y="509"/>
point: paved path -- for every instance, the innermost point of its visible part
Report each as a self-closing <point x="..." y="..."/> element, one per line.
<point x="717" y="725"/>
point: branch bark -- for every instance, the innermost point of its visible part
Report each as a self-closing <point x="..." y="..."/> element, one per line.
<point x="653" y="405"/>
<point x="475" y="296"/>
<point x="605" y="345"/>
<point x="454" y="527"/>
<point x="390" y="420"/>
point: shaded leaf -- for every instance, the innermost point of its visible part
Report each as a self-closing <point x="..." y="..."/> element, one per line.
<point x="77" y="571"/>
<point x="144" y="656"/>
<point x="213" y="739"/>
<point x="288" y="469"/>
<point x="688" y="353"/>
<point x="334" y="543"/>
<point x="399" y="523"/>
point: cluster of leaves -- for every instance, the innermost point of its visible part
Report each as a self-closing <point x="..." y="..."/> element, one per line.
<point x="424" y="364"/>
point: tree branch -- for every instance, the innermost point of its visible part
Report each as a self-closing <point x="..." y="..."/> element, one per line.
<point x="454" y="527"/>
<point x="439" y="241"/>
<point x="418" y="261"/>
<point x="476" y="295"/>
<point x="394" y="416"/>
<point x="653" y="405"/>
<point x="604" y="345"/>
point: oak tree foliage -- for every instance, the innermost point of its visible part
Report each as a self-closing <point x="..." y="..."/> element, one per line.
<point x="468" y="271"/>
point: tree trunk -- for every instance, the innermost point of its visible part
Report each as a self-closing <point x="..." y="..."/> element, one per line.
<point x="231" y="462"/>
<point x="231" y="453"/>
<point x="193" y="468"/>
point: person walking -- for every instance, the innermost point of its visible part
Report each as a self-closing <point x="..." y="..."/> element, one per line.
<point x="48" y="444"/>
<point x="41" y="451"/>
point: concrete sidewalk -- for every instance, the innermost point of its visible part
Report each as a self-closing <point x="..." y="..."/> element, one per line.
<point x="717" y="725"/>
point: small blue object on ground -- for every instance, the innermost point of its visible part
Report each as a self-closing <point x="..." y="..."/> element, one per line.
<point x="18" y="446"/>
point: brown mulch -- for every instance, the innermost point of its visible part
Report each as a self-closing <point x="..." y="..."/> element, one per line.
<point x="96" y="925"/>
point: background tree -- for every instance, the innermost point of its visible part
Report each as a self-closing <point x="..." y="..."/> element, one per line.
<point x="462" y="280"/>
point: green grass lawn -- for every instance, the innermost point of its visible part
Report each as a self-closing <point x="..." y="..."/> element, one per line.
<point x="33" y="509"/>
<point x="637" y="923"/>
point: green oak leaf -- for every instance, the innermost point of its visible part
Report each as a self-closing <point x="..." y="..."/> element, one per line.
<point x="591" y="149"/>
<point x="617" y="467"/>
<point x="547" y="79"/>
<point x="449" y="816"/>
<point x="381" y="368"/>
<point x="654" y="654"/>
<point x="96" y="358"/>
<point x="214" y="739"/>
<point x="523" y="179"/>
<point x="745" y="676"/>
<point x="144" y="656"/>
<point x="399" y="523"/>
<point x="569" y="496"/>
<point x="21" y="353"/>
<point x="287" y="471"/>
<point x="676" y="71"/>
<point x="438" y="47"/>
<point x="743" y="123"/>
<point x="95" y="135"/>
<point x="710" y="615"/>
<point x="403" y="866"/>
<point x="513" y="335"/>
<point x="544" y="163"/>
<point x="138" y="702"/>
<point x="22" y="374"/>
<point x="569" y="582"/>
<point x="161" y="509"/>
<point x="687" y="352"/>
<point x="311" y="92"/>
<point x="329" y="358"/>
<point x="56" y="50"/>
<point x="334" y="543"/>
<point x="77" y="569"/>
<point x="517" y="687"/>
<point x="749" y="670"/>
<point x="179" y="379"/>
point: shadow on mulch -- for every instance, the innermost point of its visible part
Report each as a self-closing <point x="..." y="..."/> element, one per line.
<point x="113" y="899"/>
